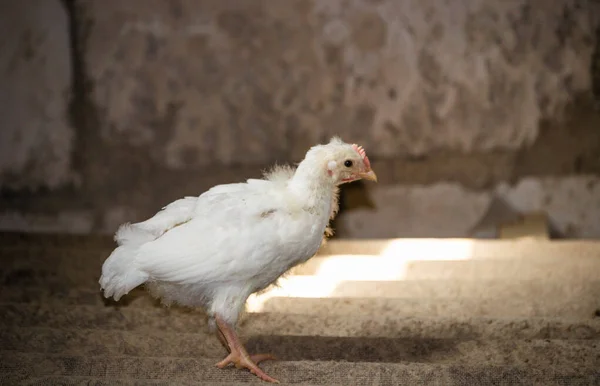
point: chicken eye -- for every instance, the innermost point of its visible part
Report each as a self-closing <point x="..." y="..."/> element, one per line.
<point x="348" y="163"/>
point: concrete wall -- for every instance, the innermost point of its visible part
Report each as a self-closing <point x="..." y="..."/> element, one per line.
<point x="114" y="108"/>
<point x="36" y="138"/>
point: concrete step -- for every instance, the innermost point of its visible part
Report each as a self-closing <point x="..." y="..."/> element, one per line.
<point x="328" y="287"/>
<point x="78" y="370"/>
<point x="425" y="298"/>
<point x="176" y="320"/>
<point x="322" y="287"/>
<point x="461" y="249"/>
<point x="568" y="269"/>
<point x="564" y="305"/>
<point x="485" y="307"/>
<point x="397" y="267"/>
<point x="536" y="353"/>
<point x="84" y="268"/>
<point x="520" y="307"/>
<point x="421" y="248"/>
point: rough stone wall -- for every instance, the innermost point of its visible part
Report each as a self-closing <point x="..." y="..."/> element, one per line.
<point x="169" y="97"/>
<point x="36" y="138"/>
<point x="447" y="209"/>
<point x="253" y="82"/>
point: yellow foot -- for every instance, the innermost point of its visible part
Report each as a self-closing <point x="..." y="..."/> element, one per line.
<point x="250" y="363"/>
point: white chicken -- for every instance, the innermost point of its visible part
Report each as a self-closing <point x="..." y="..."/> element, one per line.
<point x="215" y="250"/>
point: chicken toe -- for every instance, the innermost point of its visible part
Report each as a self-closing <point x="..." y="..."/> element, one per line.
<point x="241" y="360"/>
<point x="238" y="355"/>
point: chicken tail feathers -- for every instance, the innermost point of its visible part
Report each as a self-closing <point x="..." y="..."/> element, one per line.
<point x="119" y="273"/>
<point x="132" y="235"/>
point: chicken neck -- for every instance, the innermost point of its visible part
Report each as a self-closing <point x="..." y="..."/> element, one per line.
<point x="311" y="184"/>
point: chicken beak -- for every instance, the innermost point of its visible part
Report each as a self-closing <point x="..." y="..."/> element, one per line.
<point x="370" y="175"/>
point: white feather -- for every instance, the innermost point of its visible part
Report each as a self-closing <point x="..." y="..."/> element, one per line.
<point x="233" y="240"/>
<point x="176" y="213"/>
<point x="120" y="274"/>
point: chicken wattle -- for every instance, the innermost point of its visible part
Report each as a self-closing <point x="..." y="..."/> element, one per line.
<point x="215" y="250"/>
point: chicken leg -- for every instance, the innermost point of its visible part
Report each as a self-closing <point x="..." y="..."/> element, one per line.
<point x="238" y="354"/>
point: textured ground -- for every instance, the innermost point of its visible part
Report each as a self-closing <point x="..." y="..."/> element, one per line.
<point x="426" y="312"/>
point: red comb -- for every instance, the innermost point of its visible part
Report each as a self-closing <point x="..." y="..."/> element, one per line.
<point x="362" y="153"/>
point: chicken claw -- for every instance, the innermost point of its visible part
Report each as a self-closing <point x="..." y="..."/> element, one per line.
<point x="249" y="362"/>
<point x="238" y="354"/>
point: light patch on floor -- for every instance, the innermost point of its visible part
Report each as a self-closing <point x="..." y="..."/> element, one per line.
<point x="391" y="263"/>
